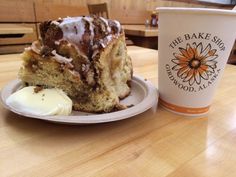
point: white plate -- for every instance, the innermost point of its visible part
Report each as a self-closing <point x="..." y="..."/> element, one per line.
<point x="143" y="96"/>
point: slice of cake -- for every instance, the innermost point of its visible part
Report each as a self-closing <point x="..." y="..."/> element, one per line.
<point x="86" y="57"/>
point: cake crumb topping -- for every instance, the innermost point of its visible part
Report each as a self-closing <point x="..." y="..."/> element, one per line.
<point x="60" y="58"/>
<point x="88" y="34"/>
<point x="37" y="89"/>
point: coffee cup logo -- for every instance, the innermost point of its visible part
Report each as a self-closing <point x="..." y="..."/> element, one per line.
<point x="195" y="63"/>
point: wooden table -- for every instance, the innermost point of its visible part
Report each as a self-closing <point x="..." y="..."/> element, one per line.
<point x="15" y="37"/>
<point x="142" y="36"/>
<point x="140" y="30"/>
<point x="14" y="29"/>
<point x="156" y="143"/>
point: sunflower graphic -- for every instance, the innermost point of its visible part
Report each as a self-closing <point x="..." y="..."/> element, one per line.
<point x="195" y="63"/>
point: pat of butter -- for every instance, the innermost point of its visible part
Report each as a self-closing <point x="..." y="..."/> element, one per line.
<point x="45" y="102"/>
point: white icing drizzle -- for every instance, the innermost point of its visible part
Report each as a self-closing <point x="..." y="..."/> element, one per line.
<point x="104" y="42"/>
<point x="75" y="73"/>
<point x="109" y="38"/>
<point x="95" y="53"/>
<point x="85" y="67"/>
<point x="60" y="58"/>
<point x="91" y="26"/>
<point x="57" y="42"/>
<point x="55" y="23"/>
<point x="27" y="48"/>
<point x="73" y="29"/>
<point x="118" y="25"/>
<point x="107" y="25"/>
<point x="36" y="48"/>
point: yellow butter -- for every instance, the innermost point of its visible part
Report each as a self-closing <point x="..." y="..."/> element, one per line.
<point x="45" y="102"/>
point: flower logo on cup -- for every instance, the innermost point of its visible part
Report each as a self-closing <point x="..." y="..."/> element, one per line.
<point x="195" y="63"/>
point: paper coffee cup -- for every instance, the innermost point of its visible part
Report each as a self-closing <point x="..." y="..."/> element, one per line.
<point x="194" y="45"/>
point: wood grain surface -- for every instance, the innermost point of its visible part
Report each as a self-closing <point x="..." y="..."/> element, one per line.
<point x="15" y="29"/>
<point x="141" y="30"/>
<point x="16" y="11"/>
<point x="156" y="143"/>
